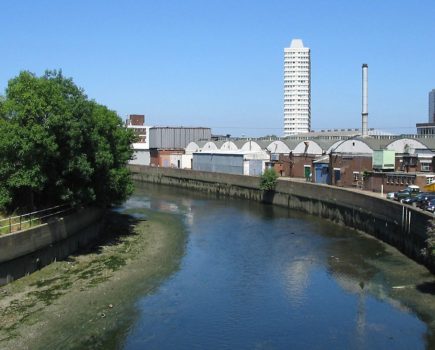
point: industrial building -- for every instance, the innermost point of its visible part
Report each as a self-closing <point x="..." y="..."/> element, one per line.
<point x="165" y="137"/>
<point x="343" y="162"/>
<point x="168" y="144"/>
<point x="238" y="162"/>
<point x="162" y="146"/>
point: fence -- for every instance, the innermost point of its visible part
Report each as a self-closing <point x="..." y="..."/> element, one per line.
<point x="25" y="221"/>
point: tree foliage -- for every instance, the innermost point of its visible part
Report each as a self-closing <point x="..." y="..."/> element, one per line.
<point x="57" y="146"/>
<point x="268" y="179"/>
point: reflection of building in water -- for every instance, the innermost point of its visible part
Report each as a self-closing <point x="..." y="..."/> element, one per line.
<point x="165" y="206"/>
<point x="187" y="207"/>
<point x="296" y="279"/>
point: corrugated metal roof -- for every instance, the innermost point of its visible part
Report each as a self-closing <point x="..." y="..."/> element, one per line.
<point x="291" y="143"/>
<point x="176" y="137"/>
<point x="429" y="142"/>
<point x="374" y="143"/>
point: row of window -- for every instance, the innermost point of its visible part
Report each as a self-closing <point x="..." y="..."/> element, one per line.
<point x="295" y="73"/>
<point x="301" y="111"/>
<point x="297" y="54"/>
<point x="288" y="79"/>
<point x="297" y="81"/>
<point x="295" y="67"/>
<point x="400" y="180"/>
<point x="299" y="65"/>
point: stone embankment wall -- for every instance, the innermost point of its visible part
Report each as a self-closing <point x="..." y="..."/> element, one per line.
<point x="26" y="251"/>
<point x="407" y="228"/>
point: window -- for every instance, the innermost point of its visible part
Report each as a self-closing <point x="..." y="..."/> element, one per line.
<point x="356" y="176"/>
<point x="425" y="166"/>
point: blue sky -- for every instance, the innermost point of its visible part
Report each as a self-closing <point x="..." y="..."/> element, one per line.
<point x="220" y="63"/>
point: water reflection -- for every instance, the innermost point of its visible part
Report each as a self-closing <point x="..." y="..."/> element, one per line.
<point x="257" y="276"/>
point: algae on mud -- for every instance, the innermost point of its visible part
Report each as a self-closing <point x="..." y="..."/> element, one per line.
<point x="87" y="300"/>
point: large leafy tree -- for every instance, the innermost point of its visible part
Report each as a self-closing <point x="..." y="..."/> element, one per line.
<point x="57" y="146"/>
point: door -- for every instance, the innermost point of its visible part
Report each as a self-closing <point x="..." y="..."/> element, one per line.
<point x="337" y="175"/>
<point x="307" y="172"/>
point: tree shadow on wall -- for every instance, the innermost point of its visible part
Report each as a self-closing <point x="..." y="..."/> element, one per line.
<point x="268" y="196"/>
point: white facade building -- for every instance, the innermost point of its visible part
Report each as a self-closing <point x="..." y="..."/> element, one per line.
<point x="432" y="106"/>
<point x="141" y="148"/>
<point x="297" y="88"/>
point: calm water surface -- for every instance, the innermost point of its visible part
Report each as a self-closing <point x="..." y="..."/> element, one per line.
<point x="260" y="277"/>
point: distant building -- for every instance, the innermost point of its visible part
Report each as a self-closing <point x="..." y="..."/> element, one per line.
<point x="297" y="88"/>
<point x="167" y="137"/>
<point x="432" y="106"/>
<point x="239" y="162"/>
<point x="425" y="128"/>
<point x="141" y="148"/>
<point x="167" y="144"/>
<point x="136" y="122"/>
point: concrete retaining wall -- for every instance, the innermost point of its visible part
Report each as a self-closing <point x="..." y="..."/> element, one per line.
<point x="26" y="251"/>
<point x="404" y="227"/>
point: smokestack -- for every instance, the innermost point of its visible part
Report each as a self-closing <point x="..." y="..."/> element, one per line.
<point x="365" y="97"/>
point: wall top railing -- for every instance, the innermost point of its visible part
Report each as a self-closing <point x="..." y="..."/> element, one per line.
<point x="22" y="222"/>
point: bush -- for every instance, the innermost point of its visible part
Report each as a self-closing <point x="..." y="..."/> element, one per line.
<point x="58" y="146"/>
<point x="268" y="180"/>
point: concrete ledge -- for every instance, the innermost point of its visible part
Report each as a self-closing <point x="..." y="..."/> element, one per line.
<point x="26" y="251"/>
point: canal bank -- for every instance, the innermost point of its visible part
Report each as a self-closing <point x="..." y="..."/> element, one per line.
<point x="410" y="230"/>
<point x="28" y="250"/>
<point x="222" y="273"/>
<point x="87" y="301"/>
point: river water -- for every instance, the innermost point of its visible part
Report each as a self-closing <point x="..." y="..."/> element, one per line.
<point x="257" y="276"/>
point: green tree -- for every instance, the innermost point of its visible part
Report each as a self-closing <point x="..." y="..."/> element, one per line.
<point x="57" y="146"/>
<point x="268" y="179"/>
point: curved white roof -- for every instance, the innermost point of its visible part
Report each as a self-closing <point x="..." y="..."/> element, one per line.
<point x="308" y="147"/>
<point x="192" y="147"/>
<point x="229" y="146"/>
<point x="209" y="146"/>
<point x="251" y="146"/>
<point x="351" y="146"/>
<point x="278" y="147"/>
<point x="405" y="145"/>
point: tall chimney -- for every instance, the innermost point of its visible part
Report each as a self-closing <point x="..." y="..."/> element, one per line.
<point x="365" y="96"/>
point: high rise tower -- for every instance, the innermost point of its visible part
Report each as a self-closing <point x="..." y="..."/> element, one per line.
<point x="297" y="88"/>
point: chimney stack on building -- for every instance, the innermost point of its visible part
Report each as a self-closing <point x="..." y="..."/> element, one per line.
<point x="365" y="103"/>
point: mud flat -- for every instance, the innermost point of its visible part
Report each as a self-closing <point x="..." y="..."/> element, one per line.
<point x="87" y="301"/>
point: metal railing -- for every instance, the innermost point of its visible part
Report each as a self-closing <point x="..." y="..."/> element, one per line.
<point x="26" y="221"/>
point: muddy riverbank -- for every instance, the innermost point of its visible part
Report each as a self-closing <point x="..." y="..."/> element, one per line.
<point x="91" y="294"/>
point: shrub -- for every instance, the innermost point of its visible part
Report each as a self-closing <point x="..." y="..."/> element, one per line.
<point x="268" y="180"/>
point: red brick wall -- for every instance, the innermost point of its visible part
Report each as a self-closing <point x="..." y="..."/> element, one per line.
<point x="137" y="119"/>
<point x="159" y="156"/>
<point x="349" y="165"/>
<point x="293" y="165"/>
<point x="393" y="181"/>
